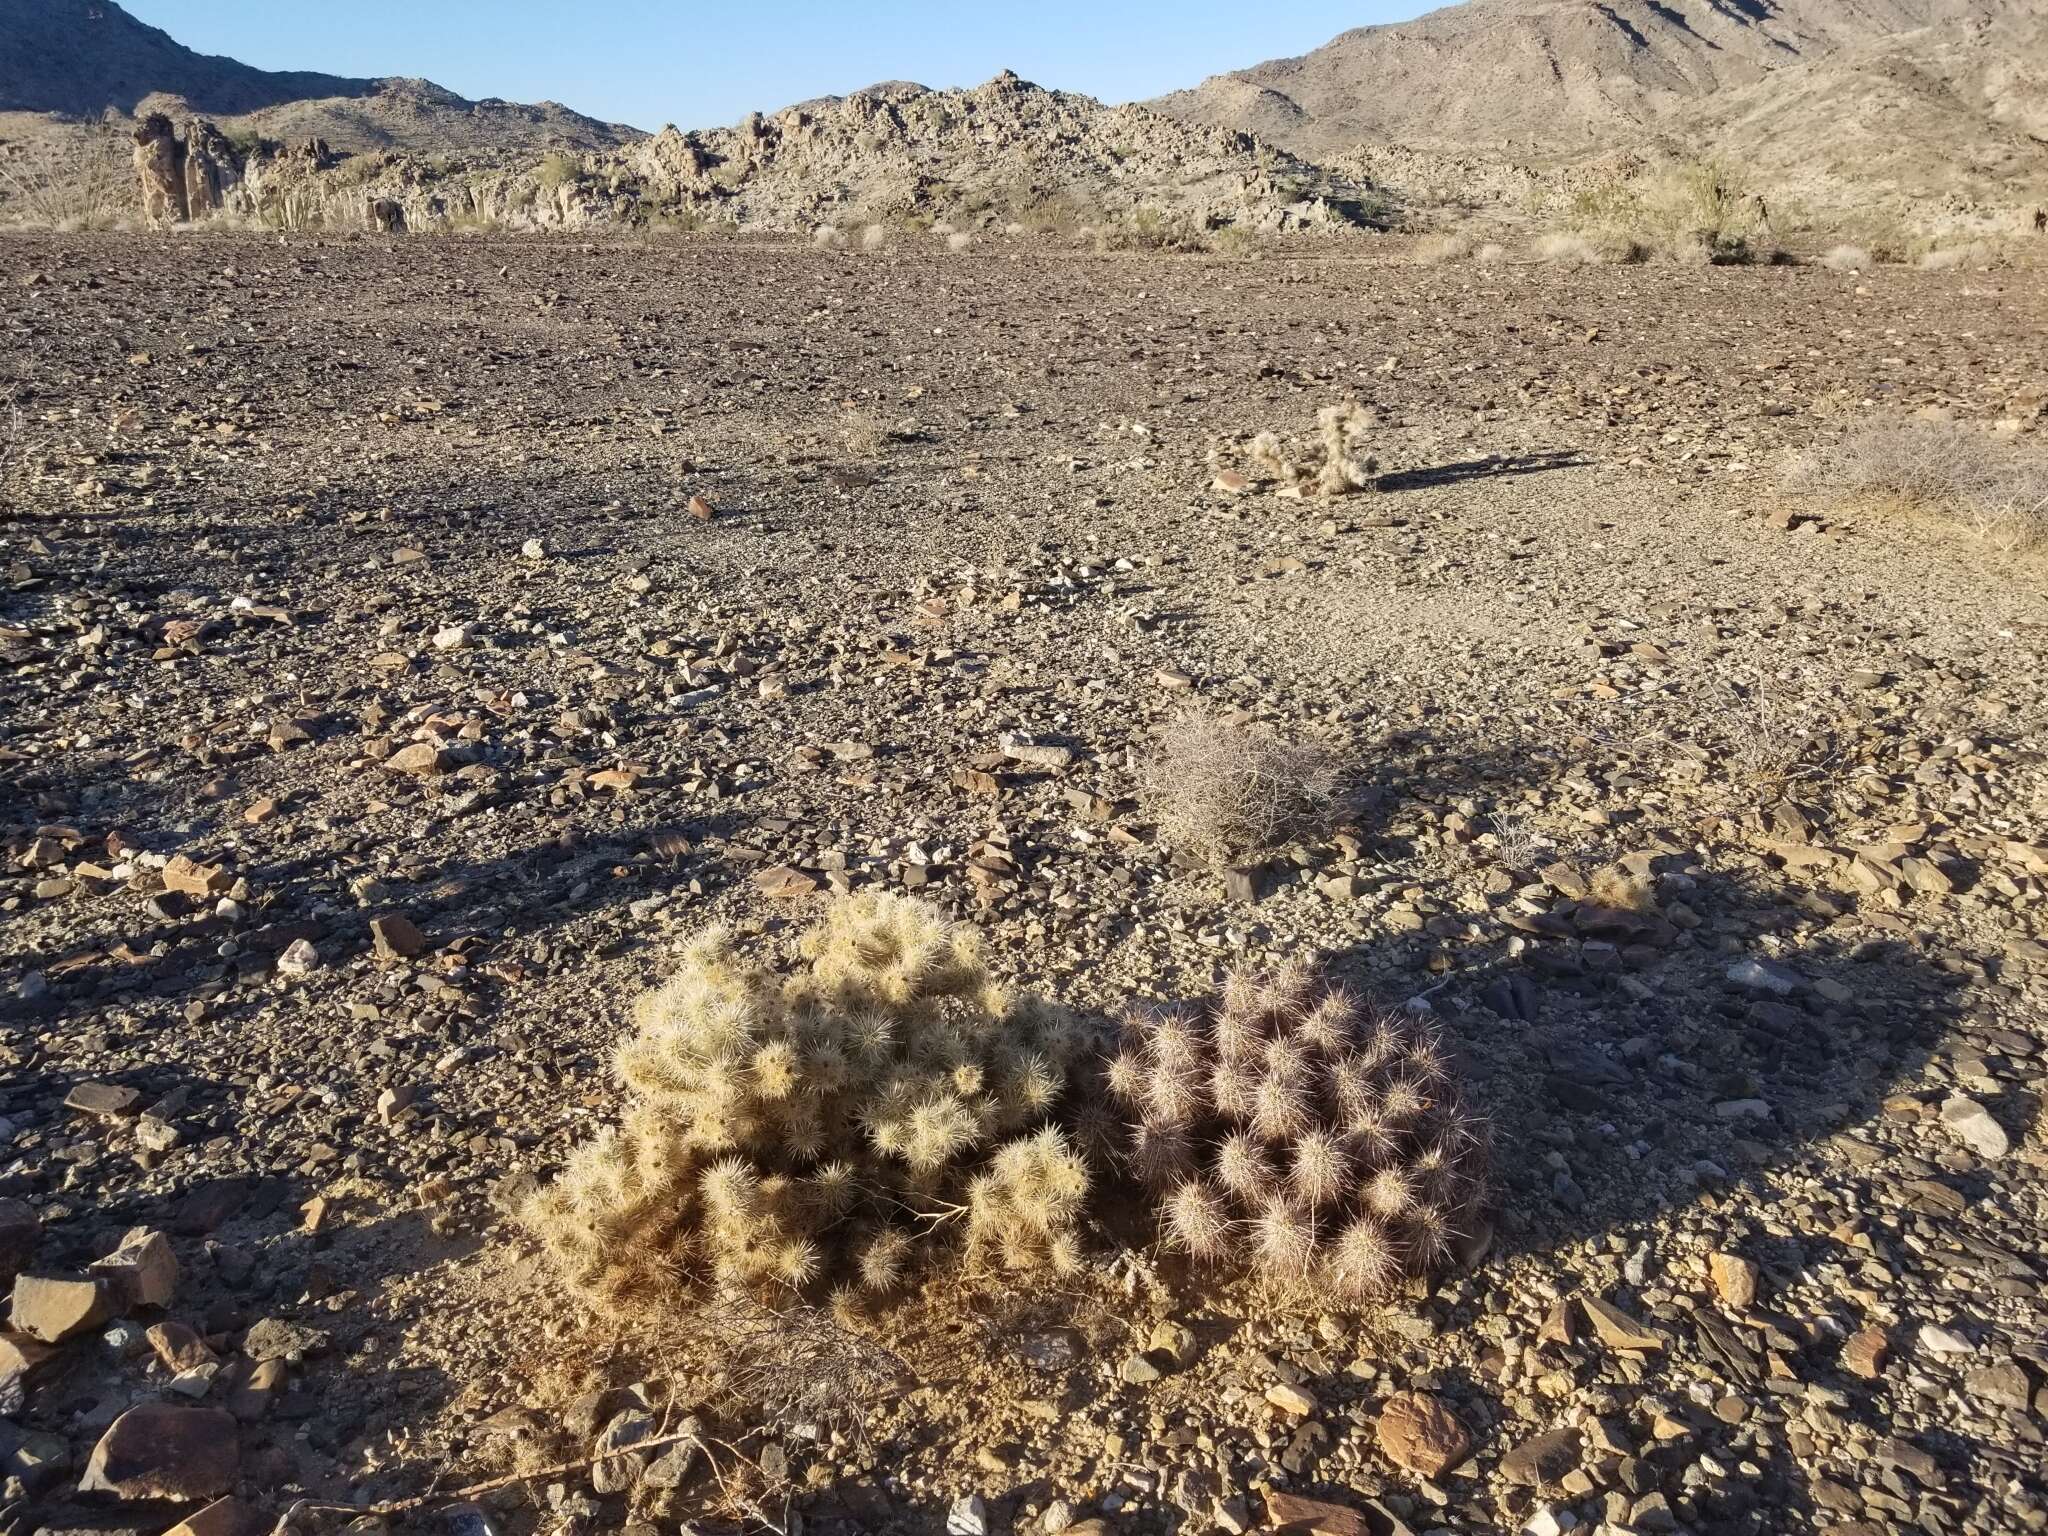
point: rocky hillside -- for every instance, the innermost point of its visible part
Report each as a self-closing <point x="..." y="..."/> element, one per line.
<point x="1001" y="151"/>
<point x="1546" y="75"/>
<point x="85" y="58"/>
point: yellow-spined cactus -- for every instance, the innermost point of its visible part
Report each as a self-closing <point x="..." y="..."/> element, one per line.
<point x="807" y="1128"/>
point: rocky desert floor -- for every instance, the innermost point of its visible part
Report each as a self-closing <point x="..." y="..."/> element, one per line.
<point x="378" y="717"/>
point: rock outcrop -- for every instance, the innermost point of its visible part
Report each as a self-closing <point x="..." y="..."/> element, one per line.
<point x="160" y="171"/>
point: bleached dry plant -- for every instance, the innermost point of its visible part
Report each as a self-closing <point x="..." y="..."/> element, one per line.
<point x="1225" y="791"/>
<point x="1435" y="250"/>
<point x="829" y="237"/>
<point x="1490" y="254"/>
<point x="1943" y="468"/>
<point x="818" y="1129"/>
<point x="1331" y="463"/>
<point x="1948" y="258"/>
<point x="68" y="182"/>
<point x="1289" y="1129"/>
<point x="1846" y="258"/>
<point x="960" y="240"/>
<point x="874" y="237"/>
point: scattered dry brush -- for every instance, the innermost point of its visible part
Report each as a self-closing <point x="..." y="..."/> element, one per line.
<point x="1288" y="1129"/>
<point x="1332" y="462"/>
<point x="1225" y="791"/>
<point x="1997" y="492"/>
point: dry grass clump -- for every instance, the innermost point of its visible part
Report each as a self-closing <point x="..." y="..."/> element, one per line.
<point x="1572" y="249"/>
<point x="1490" y="254"/>
<point x="1948" y="258"/>
<point x="829" y="237"/>
<point x="1846" y="258"/>
<point x="1945" y="469"/>
<point x="1288" y="1130"/>
<point x="1224" y="791"/>
<point x="1435" y="250"/>
<point x="1331" y="463"/>
<point x="959" y="240"/>
<point x="815" y="1129"/>
<point x="875" y="237"/>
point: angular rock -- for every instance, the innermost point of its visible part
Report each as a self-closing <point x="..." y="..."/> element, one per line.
<point x="1421" y="1433"/>
<point x="420" y="760"/>
<point x="1973" y="1125"/>
<point x="1616" y="1328"/>
<point x="1542" y="1461"/>
<point x="103" y="1099"/>
<point x="1735" y="1280"/>
<point x="143" y="1267"/>
<point x="54" y="1310"/>
<point x="396" y="937"/>
<point x="1864" y="1353"/>
<point x="160" y="1451"/>
<point x="223" y="1517"/>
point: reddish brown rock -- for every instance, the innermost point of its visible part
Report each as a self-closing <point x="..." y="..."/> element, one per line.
<point x="160" y="1451"/>
<point x="1865" y="1352"/>
<point x="1422" y="1434"/>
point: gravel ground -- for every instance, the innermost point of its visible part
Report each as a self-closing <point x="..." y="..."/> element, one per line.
<point x="379" y="715"/>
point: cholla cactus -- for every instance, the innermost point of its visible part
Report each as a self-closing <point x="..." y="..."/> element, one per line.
<point x="1289" y="1129"/>
<point x="1329" y="464"/>
<point x="793" y="1131"/>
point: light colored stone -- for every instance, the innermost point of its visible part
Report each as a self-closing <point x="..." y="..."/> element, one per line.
<point x="1422" y="1434"/>
<point x="1974" y="1126"/>
<point x="163" y="1451"/>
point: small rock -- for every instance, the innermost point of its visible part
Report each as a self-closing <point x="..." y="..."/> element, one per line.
<point x="1290" y="1399"/>
<point x="1973" y="1126"/>
<point x="396" y="937"/>
<point x="223" y="1517"/>
<point x="275" y="1339"/>
<point x="1735" y="1280"/>
<point x="1542" y="1461"/>
<point x="1422" y="1434"/>
<point x="1865" y="1352"/>
<point x="421" y="759"/>
<point x="1616" y="1328"/>
<point x="107" y="1099"/>
<point x="300" y="958"/>
<point x="968" y="1516"/>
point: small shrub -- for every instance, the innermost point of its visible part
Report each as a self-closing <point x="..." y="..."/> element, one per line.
<point x="1287" y="1129"/>
<point x="1940" y="468"/>
<point x="1567" y="249"/>
<point x="820" y="1127"/>
<point x="1948" y="258"/>
<point x="828" y="237"/>
<point x="1233" y="241"/>
<point x="557" y="170"/>
<point x="1846" y="258"/>
<point x="874" y="237"/>
<point x="1489" y="254"/>
<point x="1328" y="464"/>
<point x="1437" y="249"/>
<point x="1224" y="791"/>
<point x="959" y="240"/>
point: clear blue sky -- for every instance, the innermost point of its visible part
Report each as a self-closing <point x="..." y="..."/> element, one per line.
<point x="700" y="66"/>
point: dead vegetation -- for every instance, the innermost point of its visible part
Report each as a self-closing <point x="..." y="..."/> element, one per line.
<point x="1330" y="462"/>
<point x="1937" y="469"/>
<point x="1223" y="790"/>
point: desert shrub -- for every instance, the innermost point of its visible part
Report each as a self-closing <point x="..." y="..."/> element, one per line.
<point x="557" y="170"/>
<point x="1845" y="258"/>
<point x="1225" y="791"/>
<point x="1948" y="258"/>
<point x="1490" y="254"/>
<point x="959" y="240"/>
<point x="1435" y="250"/>
<point x="1147" y="228"/>
<point x="1330" y="463"/>
<point x="1941" y="468"/>
<point x="1286" y="1128"/>
<point x="1693" y="211"/>
<point x="825" y="1125"/>
<point x="828" y="237"/>
<point x="874" y="237"/>
<point x="81" y="182"/>
<point x="1233" y="241"/>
